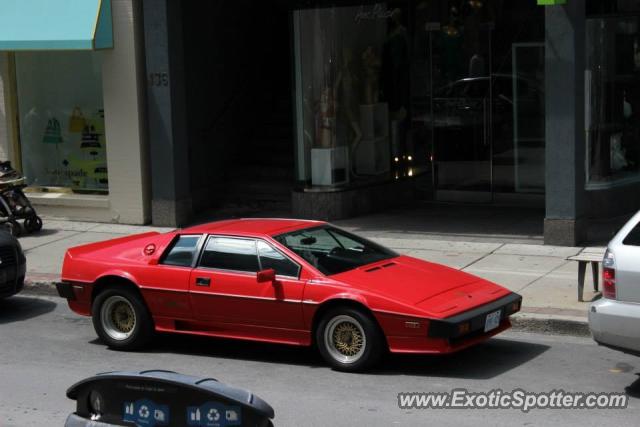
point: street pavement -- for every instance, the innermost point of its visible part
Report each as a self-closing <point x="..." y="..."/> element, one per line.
<point x="546" y="280"/>
<point x="45" y="348"/>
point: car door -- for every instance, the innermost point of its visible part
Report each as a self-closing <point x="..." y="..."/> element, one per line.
<point x="167" y="283"/>
<point x="224" y="287"/>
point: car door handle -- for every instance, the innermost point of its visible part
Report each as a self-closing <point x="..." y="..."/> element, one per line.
<point x="203" y="281"/>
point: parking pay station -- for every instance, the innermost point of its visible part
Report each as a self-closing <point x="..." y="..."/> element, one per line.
<point x="163" y="398"/>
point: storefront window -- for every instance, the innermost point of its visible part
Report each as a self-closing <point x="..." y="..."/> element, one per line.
<point x="62" y="132"/>
<point x="447" y="93"/>
<point x="352" y="81"/>
<point x="613" y="99"/>
<point x="600" y="7"/>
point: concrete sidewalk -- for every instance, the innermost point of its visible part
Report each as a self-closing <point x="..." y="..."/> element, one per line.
<point x="541" y="274"/>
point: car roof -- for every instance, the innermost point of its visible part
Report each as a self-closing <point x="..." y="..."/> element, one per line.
<point x="252" y="226"/>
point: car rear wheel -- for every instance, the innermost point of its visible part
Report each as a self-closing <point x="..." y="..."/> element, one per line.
<point x="349" y="340"/>
<point x="121" y="319"/>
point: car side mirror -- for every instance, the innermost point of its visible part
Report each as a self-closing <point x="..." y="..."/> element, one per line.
<point x="268" y="275"/>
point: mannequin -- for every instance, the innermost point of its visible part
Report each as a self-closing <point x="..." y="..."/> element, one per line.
<point x="371" y="64"/>
<point x="395" y="67"/>
<point x="396" y="79"/>
<point x="347" y="96"/>
<point x="326" y="120"/>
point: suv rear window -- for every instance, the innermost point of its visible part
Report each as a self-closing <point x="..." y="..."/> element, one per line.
<point x="633" y="238"/>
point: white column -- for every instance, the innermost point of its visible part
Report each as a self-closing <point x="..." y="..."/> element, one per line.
<point x="5" y="109"/>
<point x="124" y="105"/>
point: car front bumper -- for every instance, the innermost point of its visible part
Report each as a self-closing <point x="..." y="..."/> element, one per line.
<point x="616" y="324"/>
<point x="458" y="332"/>
<point x="474" y="320"/>
<point x="12" y="280"/>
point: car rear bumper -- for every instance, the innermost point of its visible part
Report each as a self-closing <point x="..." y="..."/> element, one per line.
<point x="65" y="290"/>
<point x="77" y="294"/>
<point x="615" y="324"/>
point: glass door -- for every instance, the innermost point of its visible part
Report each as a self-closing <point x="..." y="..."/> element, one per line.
<point x="461" y="113"/>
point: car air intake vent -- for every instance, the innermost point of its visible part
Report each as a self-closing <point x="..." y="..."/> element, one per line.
<point x="7" y="256"/>
<point x="380" y="267"/>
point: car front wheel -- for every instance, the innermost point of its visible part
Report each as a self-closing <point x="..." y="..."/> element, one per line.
<point x="121" y="319"/>
<point x="349" y="340"/>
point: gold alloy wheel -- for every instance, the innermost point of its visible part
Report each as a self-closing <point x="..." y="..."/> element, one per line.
<point x="345" y="339"/>
<point x="118" y="317"/>
<point x="123" y="317"/>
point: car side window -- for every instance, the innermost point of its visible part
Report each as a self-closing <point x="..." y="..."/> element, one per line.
<point x="182" y="251"/>
<point x="272" y="258"/>
<point x="633" y="238"/>
<point x="227" y="253"/>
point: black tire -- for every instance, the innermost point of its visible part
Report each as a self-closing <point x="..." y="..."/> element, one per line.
<point x="111" y="313"/>
<point x="353" y="322"/>
<point x="33" y="224"/>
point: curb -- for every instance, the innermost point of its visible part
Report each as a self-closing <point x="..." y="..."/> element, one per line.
<point x="555" y="324"/>
<point x="551" y="324"/>
<point x="39" y="287"/>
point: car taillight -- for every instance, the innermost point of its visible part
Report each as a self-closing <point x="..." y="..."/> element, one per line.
<point x="609" y="283"/>
<point x="609" y="276"/>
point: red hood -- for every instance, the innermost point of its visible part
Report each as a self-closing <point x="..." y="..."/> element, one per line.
<point x="434" y="288"/>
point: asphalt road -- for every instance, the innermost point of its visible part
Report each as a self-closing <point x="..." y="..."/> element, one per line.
<point x="44" y="348"/>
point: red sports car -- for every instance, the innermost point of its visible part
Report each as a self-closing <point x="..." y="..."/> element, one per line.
<point x="281" y="281"/>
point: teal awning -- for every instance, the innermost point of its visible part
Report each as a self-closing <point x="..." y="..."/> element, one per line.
<point x="55" y="24"/>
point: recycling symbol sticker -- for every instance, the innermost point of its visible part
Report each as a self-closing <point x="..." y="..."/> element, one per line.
<point x="146" y="413"/>
<point x="214" y="414"/>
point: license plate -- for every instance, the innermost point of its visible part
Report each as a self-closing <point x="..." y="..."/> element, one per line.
<point x="492" y="321"/>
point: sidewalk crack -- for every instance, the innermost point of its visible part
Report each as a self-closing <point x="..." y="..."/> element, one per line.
<point x="482" y="257"/>
<point x="26" y="251"/>
<point x="544" y="275"/>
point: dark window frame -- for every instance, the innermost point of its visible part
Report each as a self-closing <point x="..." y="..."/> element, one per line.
<point x="633" y="237"/>
<point x="196" y="250"/>
<point x="297" y="277"/>
<point x="203" y="244"/>
<point x="391" y="254"/>
<point x="222" y="236"/>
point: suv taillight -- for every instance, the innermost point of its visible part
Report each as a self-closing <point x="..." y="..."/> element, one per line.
<point x="609" y="276"/>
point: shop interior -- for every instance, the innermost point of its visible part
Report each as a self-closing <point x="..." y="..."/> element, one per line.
<point x="325" y="97"/>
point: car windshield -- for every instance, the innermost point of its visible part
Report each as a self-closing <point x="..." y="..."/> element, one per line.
<point x="333" y="251"/>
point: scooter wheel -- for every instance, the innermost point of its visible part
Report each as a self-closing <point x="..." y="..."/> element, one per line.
<point x="33" y="224"/>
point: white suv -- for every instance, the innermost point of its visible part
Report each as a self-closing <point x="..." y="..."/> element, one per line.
<point x="614" y="320"/>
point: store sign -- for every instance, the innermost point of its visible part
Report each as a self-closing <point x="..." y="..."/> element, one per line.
<point x="378" y="11"/>
<point x="551" y="2"/>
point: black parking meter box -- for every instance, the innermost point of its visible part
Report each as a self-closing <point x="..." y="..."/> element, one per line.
<point x="163" y="398"/>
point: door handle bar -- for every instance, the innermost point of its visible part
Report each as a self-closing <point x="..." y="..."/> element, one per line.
<point x="203" y="281"/>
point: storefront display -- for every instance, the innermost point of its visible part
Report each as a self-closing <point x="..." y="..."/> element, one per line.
<point x="61" y="116"/>
<point x="343" y="123"/>
<point x="613" y="100"/>
<point x="448" y="93"/>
